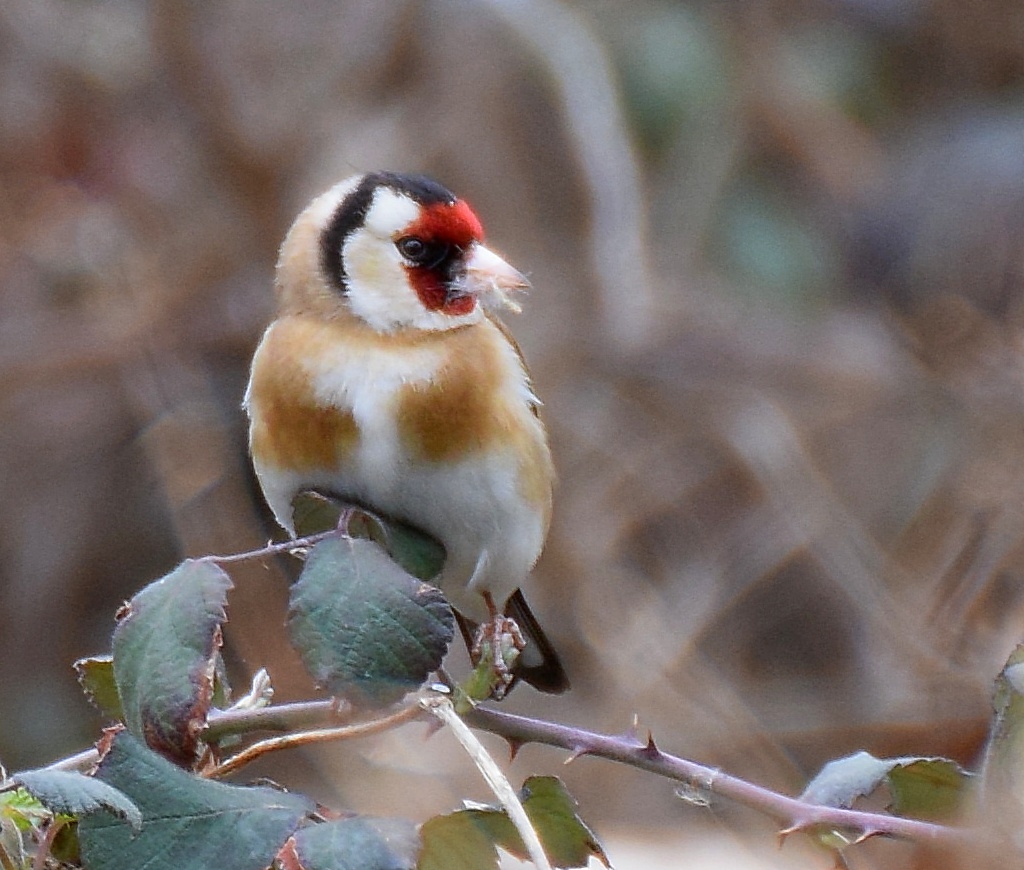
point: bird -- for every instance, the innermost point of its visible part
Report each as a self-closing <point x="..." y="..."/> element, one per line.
<point x="388" y="380"/>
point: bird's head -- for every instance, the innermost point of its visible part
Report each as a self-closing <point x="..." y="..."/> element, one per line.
<point x="397" y="251"/>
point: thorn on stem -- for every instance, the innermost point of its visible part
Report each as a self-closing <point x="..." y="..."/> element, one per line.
<point x="650" y="750"/>
<point x="576" y="752"/>
<point x="433" y="726"/>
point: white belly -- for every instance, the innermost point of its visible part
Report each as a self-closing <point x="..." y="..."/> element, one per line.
<point x="492" y="536"/>
<point x="474" y="505"/>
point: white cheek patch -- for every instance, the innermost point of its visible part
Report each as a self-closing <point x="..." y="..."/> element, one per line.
<point x="379" y="290"/>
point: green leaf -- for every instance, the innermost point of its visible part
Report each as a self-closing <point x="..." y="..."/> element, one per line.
<point x="416" y="551"/>
<point x="25" y="810"/>
<point x="1002" y="783"/>
<point x="12" y="843"/>
<point x="165" y="648"/>
<point x="926" y="788"/>
<point x="480" y="684"/>
<point x="553" y="812"/>
<point x="567" y="840"/>
<point x="456" y="842"/>
<point x="96" y="677"/>
<point x="221" y="685"/>
<point x="313" y="512"/>
<point x="360" y="843"/>
<point x="22" y="818"/>
<point x="188" y="823"/>
<point x="365" y="629"/>
<point x="75" y="794"/>
<point x="65" y="846"/>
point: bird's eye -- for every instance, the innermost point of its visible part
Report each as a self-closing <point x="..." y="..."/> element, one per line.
<point x="421" y="253"/>
<point x="411" y="248"/>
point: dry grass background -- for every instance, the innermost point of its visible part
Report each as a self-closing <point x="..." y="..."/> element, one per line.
<point x="778" y="256"/>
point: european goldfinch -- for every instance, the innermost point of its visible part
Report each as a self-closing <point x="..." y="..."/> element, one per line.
<point x="387" y="380"/>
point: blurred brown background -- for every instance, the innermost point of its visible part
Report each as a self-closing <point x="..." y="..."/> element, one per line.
<point x="778" y="256"/>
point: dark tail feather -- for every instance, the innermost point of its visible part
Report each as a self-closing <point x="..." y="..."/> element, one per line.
<point x="538" y="664"/>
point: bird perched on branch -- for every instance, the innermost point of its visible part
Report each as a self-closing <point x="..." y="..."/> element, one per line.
<point x="388" y="381"/>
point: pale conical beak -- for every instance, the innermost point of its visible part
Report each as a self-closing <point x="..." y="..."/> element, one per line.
<point x="492" y="279"/>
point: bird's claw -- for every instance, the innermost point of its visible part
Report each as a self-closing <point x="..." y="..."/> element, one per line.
<point x="497" y="646"/>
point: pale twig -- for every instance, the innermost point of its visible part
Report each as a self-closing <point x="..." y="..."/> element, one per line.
<point x="272" y="549"/>
<point x="279" y="717"/>
<point x="442" y="708"/>
<point x="232" y="722"/>
<point x="320" y="735"/>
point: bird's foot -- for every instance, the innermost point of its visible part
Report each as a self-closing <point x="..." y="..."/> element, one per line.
<point x="496" y="648"/>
